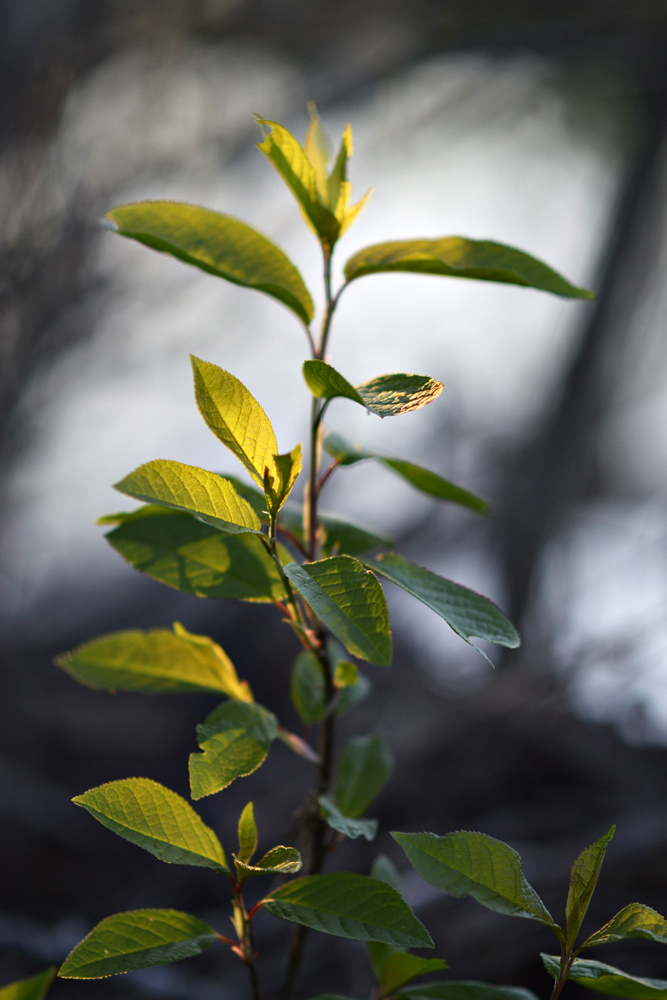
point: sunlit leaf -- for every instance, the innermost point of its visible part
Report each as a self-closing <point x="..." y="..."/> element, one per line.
<point x="350" y="602"/>
<point x="235" y="739"/>
<point x="421" y="479"/>
<point x="345" y="674"/>
<point x="307" y="688"/>
<point x="386" y="395"/>
<point x="466" y="612"/>
<point x="157" y="819"/>
<point x="346" y="825"/>
<point x="633" y="921"/>
<point x="278" y="861"/>
<point x="607" y="979"/>
<point x="350" y="906"/>
<point x="193" y="490"/>
<point x="464" y="989"/>
<point x="458" y="257"/>
<point x="235" y="417"/>
<point x="474" y="864"/>
<point x="400" y="967"/>
<point x="364" y="767"/>
<point x="33" y="988"/>
<point x="216" y="243"/>
<point x="280" y="478"/>
<point x="135" y="940"/>
<point x="183" y="552"/>
<point x="247" y="832"/>
<point x="583" y="879"/>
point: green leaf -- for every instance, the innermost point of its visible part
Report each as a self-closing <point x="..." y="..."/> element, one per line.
<point x="345" y="674"/>
<point x="349" y="827"/>
<point x="465" y="989"/>
<point x="474" y="864"/>
<point x="279" y="480"/>
<point x="290" y="160"/>
<point x="156" y="660"/>
<point x="401" y="967"/>
<point x="196" y="491"/>
<point x="349" y="600"/>
<point x="364" y="767"/>
<point x="422" y="479"/>
<point x="353" y="695"/>
<point x="607" y="979"/>
<point x="386" y="395"/>
<point x="350" y="906"/>
<point x="247" y="834"/>
<point x="583" y="879"/>
<point x="135" y="940"/>
<point x="384" y="869"/>
<point x="216" y="243"/>
<point x="633" y="921"/>
<point x="278" y="861"/>
<point x="458" y="257"/>
<point x="33" y="988"/>
<point x="343" y="538"/>
<point x="307" y="688"/>
<point x="188" y="555"/>
<point x="157" y="819"/>
<point x="235" y="739"/>
<point x="235" y="417"/>
<point x="466" y="612"/>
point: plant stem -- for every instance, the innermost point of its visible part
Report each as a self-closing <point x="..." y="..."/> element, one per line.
<point x="255" y="982"/>
<point x="566" y="960"/>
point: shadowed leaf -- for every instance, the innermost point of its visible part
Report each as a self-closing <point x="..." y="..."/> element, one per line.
<point x="607" y="979"/>
<point x="364" y="767"/>
<point x="307" y="688"/>
<point x="33" y="988"/>
<point x="465" y="989"/>
<point x="633" y="921"/>
<point x="349" y="827"/>
<point x="583" y="879"/>
<point x="400" y="967"/>
<point x="135" y="940"/>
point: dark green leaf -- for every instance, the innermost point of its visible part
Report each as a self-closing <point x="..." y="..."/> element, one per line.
<point x="384" y="869"/>
<point x="235" y="739"/>
<point x="343" y="538"/>
<point x="465" y="989"/>
<point x="349" y="600"/>
<point x="193" y="490"/>
<point x="33" y="988"/>
<point x="307" y="688"/>
<point x="422" y="479"/>
<point x="247" y="832"/>
<point x="135" y="940"/>
<point x="349" y="827"/>
<point x="607" y="979"/>
<point x="474" y="864"/>
<point x="188" y="555"/>
<point x="583" y="879"/>
<point x="157" y="819"/>
<point x="386" y="395"/>
<point x="633" y="921"/>
<point x="364" y="768"/>
<point x="350" y="906"/>
<point x="216" y="243"/>
<point x="466" y="612"/>
<point x="157" y="660"/>
<point x="400" y="967"/>
<point x="278" y="861"/>
<point x="458" y="257"/>
<point x="353" y="695"/>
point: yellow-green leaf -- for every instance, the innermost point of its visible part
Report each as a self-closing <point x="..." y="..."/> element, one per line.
<point x="247" y="834"/>
<point x="33" y="988"/>
<point x="278" y="861"/>
<point x="196" y="491"/>
<point x="583" y="879"/>
<point x="400" y="967"/>
<point x="279" y="480"/>
<point x="181" y="551"/>
<point x="459" y="257"/>
<point x="345" y="674"/>
<point x="235" y="417"/>
<point x="633" y="921"/>
<point x="218" y="244"/>
<point x="235" y="739"/>
<point x="386" y="395"/>
<point x="350" y="601"/>
<point x="157" y="819"/>
<point x="156" y="660"/>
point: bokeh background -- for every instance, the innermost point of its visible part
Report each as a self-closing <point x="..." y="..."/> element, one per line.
<point x="539" y="124"/>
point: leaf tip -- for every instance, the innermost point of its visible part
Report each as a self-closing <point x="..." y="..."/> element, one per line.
<point x="108" y="223"/>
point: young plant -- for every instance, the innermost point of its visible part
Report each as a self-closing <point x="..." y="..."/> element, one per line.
<point x="217" y="536"/>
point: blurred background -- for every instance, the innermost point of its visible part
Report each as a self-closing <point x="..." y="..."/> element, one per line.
<point x="538" y="124"/>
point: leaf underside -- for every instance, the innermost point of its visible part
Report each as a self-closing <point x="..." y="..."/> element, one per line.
<point x="346" y="825"/>
<point x="138" y="939"/>
<point x="633" y="921"/>
<point x="386" y="395"/>
<point x="607" y="979"/>
<point x="218" y="244"/>
<point x="459" y="257"/>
